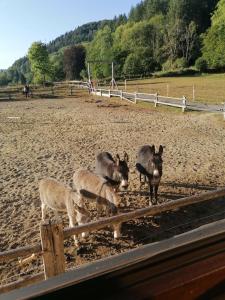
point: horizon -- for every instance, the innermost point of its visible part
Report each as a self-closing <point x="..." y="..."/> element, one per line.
<point x="24" y="22"/>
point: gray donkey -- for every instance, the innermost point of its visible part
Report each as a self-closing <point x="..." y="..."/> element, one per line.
<point x="149" y="163"/>
<point x="116" y="171"/>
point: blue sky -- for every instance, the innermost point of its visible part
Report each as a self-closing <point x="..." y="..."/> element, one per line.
<point x="25" y="21"/>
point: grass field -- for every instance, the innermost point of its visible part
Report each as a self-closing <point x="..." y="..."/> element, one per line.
<point x="207" y="88"/>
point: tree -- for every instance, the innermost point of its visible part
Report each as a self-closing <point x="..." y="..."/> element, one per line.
<point x="180" y="35"/>
<point x="139" y="63"/>
<point x="137" y="13"/>
<point x="56" y="60"/>
<point x="155" y="7"/>
<point x="191" y="10"/>
<point x="214" y="39"/>
<point x="39" y="61"/>
<point x="101" y="49"/>
<point x="74" y="61"/>
<point x="81" y="34"/>
<point x="201" y="64"/>
<point x="4" y="80"/>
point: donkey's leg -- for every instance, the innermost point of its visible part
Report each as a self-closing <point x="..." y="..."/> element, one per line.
<point x="156" y="193"/>
<point x="141" y="183"/>
<point x="72" y="222"/>
<point x="151" y="194"/>
<point x="43" y="210"/>
<point x="99" y="208"/>
<point x="140" y="176"/>
<point x="81" y="220"/>
<point x="145" y="179"/>
<point x="117" y="231"/>
<point x="80" y="200"/>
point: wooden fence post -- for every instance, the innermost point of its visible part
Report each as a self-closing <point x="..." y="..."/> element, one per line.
<point x="53" y="248"/>
<point x="156" y="99"/>
<point x="52" y="90"/>
<point x="71" y="90"/>
<point x="184" y="104"/>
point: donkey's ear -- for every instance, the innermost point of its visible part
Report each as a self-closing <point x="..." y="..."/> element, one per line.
<point x="153" y="149"/>
<point x="126" y="157"/>
<point x="117" y="159"/>
<point x="160" y="149"/>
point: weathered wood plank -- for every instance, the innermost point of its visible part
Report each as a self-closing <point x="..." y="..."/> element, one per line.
<point x="144" y="212"/>
<point x="28" y="280"/>
<point x="53" y="248"/>
<point x="142" y="272"/>
<point x="20" y="252"/>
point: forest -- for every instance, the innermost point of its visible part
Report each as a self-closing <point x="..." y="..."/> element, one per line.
<point x="156" y="35"/>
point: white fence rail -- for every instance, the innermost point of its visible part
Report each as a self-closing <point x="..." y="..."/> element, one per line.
<point x="144" y="97"/>
<point x="157" y="99"/>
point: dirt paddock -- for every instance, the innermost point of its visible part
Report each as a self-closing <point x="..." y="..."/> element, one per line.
<point x="54" y="137"/>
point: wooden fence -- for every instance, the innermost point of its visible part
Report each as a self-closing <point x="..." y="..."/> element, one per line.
<point x="39" y="91"/>
<point x="52" y="234"/>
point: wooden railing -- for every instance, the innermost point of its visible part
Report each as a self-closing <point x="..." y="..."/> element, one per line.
<point x="52" y="234"/>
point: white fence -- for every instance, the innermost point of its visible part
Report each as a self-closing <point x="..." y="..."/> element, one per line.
<point x="157" y="99"/>
<point x="144" y="97"/>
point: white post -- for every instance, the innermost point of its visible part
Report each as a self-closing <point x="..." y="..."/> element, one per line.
<point x="156" y="99"/>
<point x="184" y="103"/>
<point x="89" y="74"/>
<point x="135" y="97"/>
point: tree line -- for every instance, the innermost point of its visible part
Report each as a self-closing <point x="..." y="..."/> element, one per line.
<point x="156" y="35"/>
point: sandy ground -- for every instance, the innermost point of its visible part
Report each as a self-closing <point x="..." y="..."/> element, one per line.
<point x="54" y="137"/>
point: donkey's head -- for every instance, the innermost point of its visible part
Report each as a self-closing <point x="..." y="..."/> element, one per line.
<point x="156" y="162"/>
<point x="121" y="173"/>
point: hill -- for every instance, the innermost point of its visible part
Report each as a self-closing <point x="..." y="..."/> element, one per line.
<point x="84" y="33"/>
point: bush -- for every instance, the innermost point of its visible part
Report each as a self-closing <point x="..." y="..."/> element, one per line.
<point x="168" y="65"/>
<point x="180" y="63"/>
<point x="201" y="64"/>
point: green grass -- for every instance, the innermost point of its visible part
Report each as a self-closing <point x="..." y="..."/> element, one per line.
<point x="208" y="88"/>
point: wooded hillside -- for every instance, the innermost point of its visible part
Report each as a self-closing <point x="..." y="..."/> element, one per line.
<point x="156" y="35"/>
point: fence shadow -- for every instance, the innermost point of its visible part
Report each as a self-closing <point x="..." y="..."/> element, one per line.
<point x="190" y="186"/>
